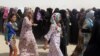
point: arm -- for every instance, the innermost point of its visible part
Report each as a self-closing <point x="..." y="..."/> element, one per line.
<point x="35" y="24"/>
<point x="45" y="44"/>
<point x="48" y="36"/>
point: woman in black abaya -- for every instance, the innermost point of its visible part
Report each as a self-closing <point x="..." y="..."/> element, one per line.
<point x="19" y="21"/>
<point x="74" y="27"/>
<point x="93" y="48"/>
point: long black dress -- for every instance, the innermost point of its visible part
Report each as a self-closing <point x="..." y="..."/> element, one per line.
<point x="74" y="30"/>
<point x="79" y="46"/>
<point x="36" y="30"/>
<point x="1" y="20"/>
<point x="93" y="48"/>
<point x="19" y="21"/>
<point x="47" y="20"/>
<point x="65" y="30"/>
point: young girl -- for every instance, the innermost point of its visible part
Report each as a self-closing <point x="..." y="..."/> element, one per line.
<point x="27" y="43"/>
<point x="10" y="35"/>
<point x="54" y="35"/>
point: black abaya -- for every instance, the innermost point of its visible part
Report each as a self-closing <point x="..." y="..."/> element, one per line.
<point x="93" y="48"/>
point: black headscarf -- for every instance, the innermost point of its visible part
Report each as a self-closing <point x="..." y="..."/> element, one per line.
<point x="37" y="9"/>
<point x="74" y="12"/>
<point x="97" y="14"/>
<point x="43" y="13"/>
<point x="64" y="25"/>
<point x="49" y="13"/>
<point x="56" y="10"/>
<point x="20" y="14"/>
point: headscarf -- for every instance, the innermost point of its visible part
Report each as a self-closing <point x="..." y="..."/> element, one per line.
<point x="55" y="18"/>
<point x="5" y="15"/>
<point x="97" y="14"/>
<point x="89" y="18"/>
<point x="37" y="14"/>
<point x="74" y="12"/>
<point x="90" y="14"/>
<point x="56" y="10"/>
<point x="20" y="14"/>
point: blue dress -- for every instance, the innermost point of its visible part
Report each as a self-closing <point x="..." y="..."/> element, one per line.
<point x="10" y="33"/>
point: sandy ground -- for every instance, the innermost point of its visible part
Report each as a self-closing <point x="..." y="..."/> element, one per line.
<point x="4" y="50"/>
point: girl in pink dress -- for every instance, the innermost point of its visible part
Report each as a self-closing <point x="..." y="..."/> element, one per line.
<point x="27" y="44"/>
<point x="54" y="35"/>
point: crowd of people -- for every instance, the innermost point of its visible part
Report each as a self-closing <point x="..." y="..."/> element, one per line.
<point x="57" y="27"/>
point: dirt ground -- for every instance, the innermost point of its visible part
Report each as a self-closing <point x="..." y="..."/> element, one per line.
<point x="4" y="50"/>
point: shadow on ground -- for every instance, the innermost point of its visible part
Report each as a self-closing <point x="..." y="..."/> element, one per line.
<point x="42" y="54"/>
<point x="4" y="54"/>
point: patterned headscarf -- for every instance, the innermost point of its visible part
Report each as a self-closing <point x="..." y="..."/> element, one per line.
<point x="55" y="18"/>
<point x="5" y="15"/>
<point x="89" y="19"/>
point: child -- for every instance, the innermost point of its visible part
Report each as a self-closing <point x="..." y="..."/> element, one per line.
<point x="27" y="41"/>
<point x="10" y="34"/>
<point x="54" y="35"/>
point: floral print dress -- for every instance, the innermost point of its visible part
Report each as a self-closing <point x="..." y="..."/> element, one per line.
<point x="27" y="44"/>
<point x="54" y="35"/>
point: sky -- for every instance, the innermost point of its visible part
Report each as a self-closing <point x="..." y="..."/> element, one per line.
<point x="62" y="4"/>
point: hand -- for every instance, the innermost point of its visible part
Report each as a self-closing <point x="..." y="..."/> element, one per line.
<point x="32" y="21"/>
<point x="35" y="24"/>
<point x="45" y="47"/>
<point x="6" y="42"/>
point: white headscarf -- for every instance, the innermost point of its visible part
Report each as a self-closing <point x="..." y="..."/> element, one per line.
<point x="89" y="18"/>
<point x="55" y="18"/>
<point x="90" y="14"/>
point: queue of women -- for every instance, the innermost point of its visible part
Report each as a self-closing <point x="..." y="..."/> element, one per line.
<point x="57" y="27"/>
